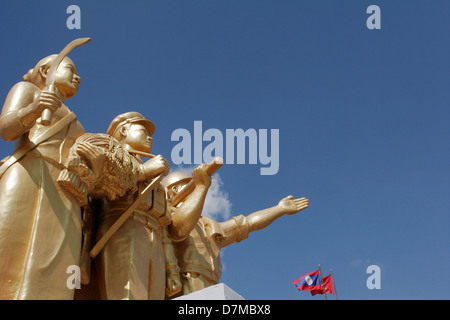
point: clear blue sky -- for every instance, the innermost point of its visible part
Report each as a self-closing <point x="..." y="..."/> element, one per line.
<point x="363" y="117"/>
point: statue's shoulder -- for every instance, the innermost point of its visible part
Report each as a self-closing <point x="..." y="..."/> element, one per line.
<point x="25" y="86"/>
<point x="23" y="90"/>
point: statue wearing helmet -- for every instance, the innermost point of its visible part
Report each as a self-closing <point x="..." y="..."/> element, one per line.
<point x="137" y="261"/>
<point x="198" y="254"/>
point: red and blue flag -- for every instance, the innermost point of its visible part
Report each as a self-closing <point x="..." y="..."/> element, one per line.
<point x="328" y="284"/>
<point x="309" y="282"/>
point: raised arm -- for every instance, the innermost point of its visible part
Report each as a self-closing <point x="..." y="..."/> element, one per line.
<point x="186" y="215"/>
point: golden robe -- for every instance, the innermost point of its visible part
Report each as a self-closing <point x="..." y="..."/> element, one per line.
<point x="40" y="224"/>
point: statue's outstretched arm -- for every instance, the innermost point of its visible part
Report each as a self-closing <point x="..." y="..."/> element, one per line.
<point x="261" y="219"/>
<point x="238" y="228"/>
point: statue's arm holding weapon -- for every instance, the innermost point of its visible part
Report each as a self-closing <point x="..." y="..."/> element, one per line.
<point x="30" y="100"/>
<point x="188" y="202"/>
<point x="23" y="106"/>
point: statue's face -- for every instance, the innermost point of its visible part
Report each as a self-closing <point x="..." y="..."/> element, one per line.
<point x="138" y="138"/>
<point x="67" y="79"/>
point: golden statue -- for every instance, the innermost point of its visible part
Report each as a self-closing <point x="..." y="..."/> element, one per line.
<point x="40" y="224"/>
<point x="70" y="198"/>
<point x="199" y="254"/>
<point x="132" y="260"/>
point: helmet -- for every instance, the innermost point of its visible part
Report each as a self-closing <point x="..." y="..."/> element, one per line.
<point x="129" y="117"/>
<point x="174" y="178"/>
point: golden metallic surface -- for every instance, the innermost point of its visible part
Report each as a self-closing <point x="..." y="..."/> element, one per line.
<point x="138" y="260"/>
<point x="92" y="201"/>
<point x="40" y="233"/>
<point x="46" y="117"/>
<point x="199" y="254"/>
<point x="131" y="264"/>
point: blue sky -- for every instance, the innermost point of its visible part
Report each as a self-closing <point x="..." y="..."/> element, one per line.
<point x="363" y="119"/>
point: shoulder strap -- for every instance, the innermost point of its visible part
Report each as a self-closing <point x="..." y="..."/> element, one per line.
<point x="121" y="220"/>
<point x="18" y="154"/>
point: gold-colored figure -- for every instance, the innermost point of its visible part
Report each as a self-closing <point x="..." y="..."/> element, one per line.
<point x="150" y="240"/>
<point x="199" y="254"/>
<point x="40" y="224"/>
<point x="133" y="262"/>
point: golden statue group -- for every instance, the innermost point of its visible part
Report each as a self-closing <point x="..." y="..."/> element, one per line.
<point x="70" y="198"/>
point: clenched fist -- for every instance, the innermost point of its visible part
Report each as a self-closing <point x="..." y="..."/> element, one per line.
<point x="47" y="99"/>
<point x="200" y="176"/>
<point x="173" y="284"/>
<point x="154" y="167"/>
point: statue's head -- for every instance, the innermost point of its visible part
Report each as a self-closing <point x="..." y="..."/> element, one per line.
<point x="132" y="129"/>
<point x="67" y="80"/>
<point x="175" y="182"/>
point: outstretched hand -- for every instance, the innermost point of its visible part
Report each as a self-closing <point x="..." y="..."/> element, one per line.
<point x="289" y="205"/>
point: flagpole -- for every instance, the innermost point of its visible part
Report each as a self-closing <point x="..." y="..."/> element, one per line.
<point x="321" y="281"/>
<point x="334" y="283"/>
